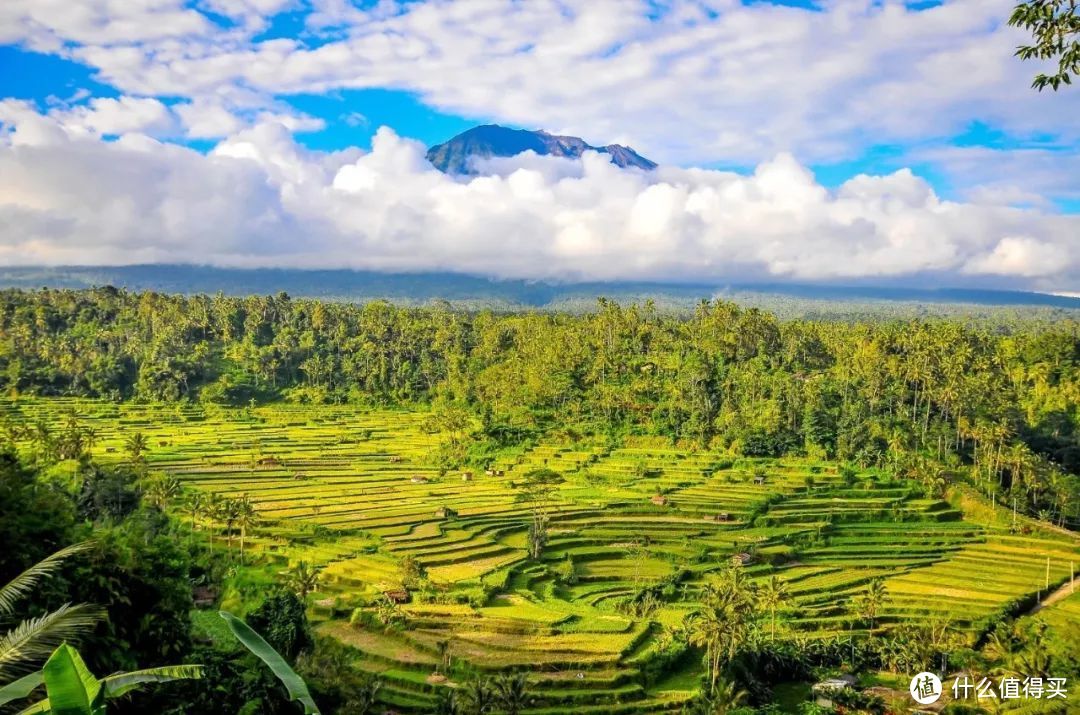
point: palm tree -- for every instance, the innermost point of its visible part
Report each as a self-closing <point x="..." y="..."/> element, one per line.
<point x="480" y="697"/>
<point x="513" y="692"/>
<point x="771" y="597"/>
<point x="246" y="518"/>
<point x="446" y="703"/>
<point x="34" y="639"/>
<point x="229" y="512"/>
<point x="162" y="491"/>
<point x="722" y="624"/>
<point x="364" y="696"/>
<point x="194" y="505"/>
<point x="136" y="446"/>
<point x="705" y="629"/>
<point x="726" y="698"/>
<point x="303" y="579"/>
<point x="211" y="509"/>
<point x="872" y="600"/>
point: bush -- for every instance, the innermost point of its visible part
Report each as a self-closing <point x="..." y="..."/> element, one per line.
<point x="282" y="620"/>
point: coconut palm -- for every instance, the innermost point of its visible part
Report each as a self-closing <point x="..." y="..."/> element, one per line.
<point x="771" y="597"/>
<point x="872" y="600"/>
<point x="211" y="509"/>
<point x="228" y="512"/>
<point x="513" y="692"/>
<point x="364" y="696"/>
<point x="246" y="518"/>
<point x="480" y="697"/>
<point x="34" y="639"/>
<point x="725" y="698"/>
<point x="162" y="491"/>
<point x="303" y="579"/>
<point x="136" y="446"/>
<point x="722" y="624"/>
<point x="194" y="504"/>
<point x="446" y="703"/>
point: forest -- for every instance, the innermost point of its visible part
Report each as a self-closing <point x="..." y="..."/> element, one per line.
<point x="696" y="513"/>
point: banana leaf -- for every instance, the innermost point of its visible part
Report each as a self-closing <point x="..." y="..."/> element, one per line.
<point x="21" y="688"/>
<point x="72" y="688"/>
<point x="251" y="640"/>
<point x="122" y="683"/>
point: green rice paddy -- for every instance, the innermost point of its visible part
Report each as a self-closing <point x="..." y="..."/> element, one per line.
<point x="352" y="492"/>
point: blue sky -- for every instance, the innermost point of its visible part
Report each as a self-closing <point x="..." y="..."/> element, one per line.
<point x="351" y="116"/>
<point x="843" y="89"/>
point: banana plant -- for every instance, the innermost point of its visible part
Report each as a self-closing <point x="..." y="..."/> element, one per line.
<point x="298" y="690"/>
<point x="71" y="689"/>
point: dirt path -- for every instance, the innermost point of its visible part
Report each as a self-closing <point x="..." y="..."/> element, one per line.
<point x="1065" y="591"/>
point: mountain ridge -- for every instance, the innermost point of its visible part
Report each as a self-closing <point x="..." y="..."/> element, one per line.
<point x="420" y="287"/>
<point x="456" y="155"/>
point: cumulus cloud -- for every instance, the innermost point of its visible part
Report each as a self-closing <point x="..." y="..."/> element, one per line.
<point x="115" y="116"/>
<point x="260" y="199"/>
<point x="684" y="82"/>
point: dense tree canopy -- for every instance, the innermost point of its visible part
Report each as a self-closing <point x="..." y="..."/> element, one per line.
<point x="1001" y="399"/>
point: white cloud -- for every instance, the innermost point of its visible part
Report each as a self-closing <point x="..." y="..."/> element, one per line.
<point x="259" y="199"/>
<point x="122" y="115"/>
<point x="696" y="82"/>
<point x="1022" y="256"/>
<point x="46" y="25"/>
<point x="1013" y="175"/>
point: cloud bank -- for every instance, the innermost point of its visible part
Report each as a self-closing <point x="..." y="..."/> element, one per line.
<point x="684" y="82"/>
<point x="259" y="199"/>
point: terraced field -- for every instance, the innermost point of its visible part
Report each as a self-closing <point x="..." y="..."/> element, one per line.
<point x="353" y="492"/>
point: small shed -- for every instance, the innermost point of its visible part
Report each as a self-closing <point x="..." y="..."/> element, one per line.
<point x="826" y="689"/>
<point x="659" y="500"/>
<point x="397" y="595"/>
<point x="394" y="459"/>
<point x="419" y="479"/>
<point x="445" y="512"/>
<point x="759" y="479"/>
<point x="742" y="558"/>
<point x="499" y="472"/>
<point x="489" y="472"/>
<point x="269" y="462"/>
<point x="204" y="596"/>
<point x="466" y="476"/>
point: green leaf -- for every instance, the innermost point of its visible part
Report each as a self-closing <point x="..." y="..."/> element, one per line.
<point x="121" y="683"/>
<point x="251" y="640"/>
<point x="38" y="707"/>
<point x="36" y="639"/>
<point x="23" y="584"/>
<point x="20" y="688"/>
<point x="72" y="688"/>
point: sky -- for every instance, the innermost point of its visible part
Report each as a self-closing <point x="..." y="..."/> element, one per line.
<point x="813" y="140"/>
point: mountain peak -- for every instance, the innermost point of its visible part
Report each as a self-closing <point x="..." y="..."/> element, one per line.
<point x="487" y="140"/>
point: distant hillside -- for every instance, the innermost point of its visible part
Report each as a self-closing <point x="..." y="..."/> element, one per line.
<point x="455" y="156"/>
<point x="787" y="299"/>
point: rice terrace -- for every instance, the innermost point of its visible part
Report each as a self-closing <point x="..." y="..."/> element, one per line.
<point x="430" y="575"/>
